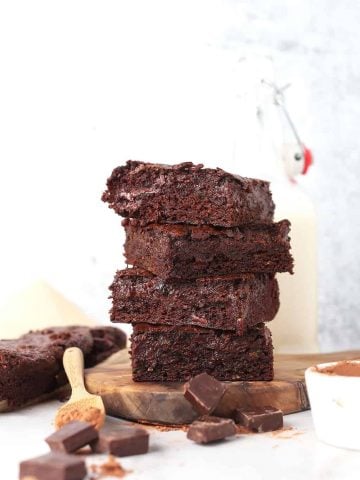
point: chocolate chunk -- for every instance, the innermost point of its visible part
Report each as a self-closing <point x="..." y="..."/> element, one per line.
<point x="72" y="436"/>
<point x="259" y="419"/>
<point x="211" y="429"/>
<point x="54" y="466"/>
<point x="122" y="441"/>
<point x="204" y="393"/>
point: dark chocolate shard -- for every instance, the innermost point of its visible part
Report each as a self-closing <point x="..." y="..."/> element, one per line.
<point x="211" y="429"/>
<point x="122" y="441"/>
<point x="72" y="436"/>
<point x="54" y="466"/>
<point x="204" y="393"/>
<point x="259" y="419"/>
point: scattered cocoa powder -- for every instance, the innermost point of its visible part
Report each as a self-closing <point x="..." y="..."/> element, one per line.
<point x="240" y="430"/>
<point x="170" y="428"/>
<point x="286" y="432"/>
<point x="110" y="468"/>
<point x="164" y="428"/>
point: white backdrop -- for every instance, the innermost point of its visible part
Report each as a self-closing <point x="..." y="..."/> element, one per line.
<point x="86" y="85"/>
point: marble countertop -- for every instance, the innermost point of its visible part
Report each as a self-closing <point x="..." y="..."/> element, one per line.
<point x="292" y="454"/>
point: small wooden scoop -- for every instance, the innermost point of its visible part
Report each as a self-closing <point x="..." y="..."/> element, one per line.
<point x="82" y="404"/>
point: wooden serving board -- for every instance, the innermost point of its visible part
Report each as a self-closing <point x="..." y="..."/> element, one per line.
<point x="164" y="403"/>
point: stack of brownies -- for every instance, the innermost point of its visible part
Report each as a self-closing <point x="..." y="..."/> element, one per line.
<point x="204" y="250"/>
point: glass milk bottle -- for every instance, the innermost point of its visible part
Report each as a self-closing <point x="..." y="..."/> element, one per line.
<point x="265" y="153"/>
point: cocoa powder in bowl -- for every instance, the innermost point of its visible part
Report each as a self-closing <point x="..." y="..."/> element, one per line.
<point x="345" y="368"/>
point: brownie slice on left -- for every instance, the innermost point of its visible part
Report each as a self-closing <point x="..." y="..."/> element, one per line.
<point x="31" y="365"/>
<point x="175" y="354"/>
<point x="227" y="303"/>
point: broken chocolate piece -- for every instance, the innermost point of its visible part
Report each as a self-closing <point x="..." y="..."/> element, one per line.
<point x="204" y="393"/>
<point x="54" y="466"/>
<point x="259" y="419"/>
<point x="72" y="436"/>
<point x="122" y="441"/>
<point x="211" y="429"/>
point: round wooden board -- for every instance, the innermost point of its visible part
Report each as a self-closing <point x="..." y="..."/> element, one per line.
<point x="161" y="403"/>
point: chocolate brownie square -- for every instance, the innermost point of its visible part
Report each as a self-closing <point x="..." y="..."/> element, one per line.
<point x="187" y="193"/>
<point x="226" y="303"/>
<point x="175" y="354"/>
<point x="186" y="251"/>
<point x="31" y="365"/>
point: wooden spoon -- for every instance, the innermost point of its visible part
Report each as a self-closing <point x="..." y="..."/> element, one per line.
<point x="82" y="404"/>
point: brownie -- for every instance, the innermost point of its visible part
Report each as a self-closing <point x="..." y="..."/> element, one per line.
<point x="106" y="341"/>
<point x="185" y="251"/>
<point x="187" y="193"/>
<point x="226" y="303"/>
<point x="175" y="354"/>
<point x="31" y="365"/>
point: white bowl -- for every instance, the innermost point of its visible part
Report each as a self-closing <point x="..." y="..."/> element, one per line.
<point x="335" y="405"/>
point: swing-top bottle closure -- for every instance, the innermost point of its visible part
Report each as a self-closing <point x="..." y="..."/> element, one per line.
<point x="304" y="153"/>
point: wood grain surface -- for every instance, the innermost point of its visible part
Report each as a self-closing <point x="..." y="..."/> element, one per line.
<point x="164" y="403"/>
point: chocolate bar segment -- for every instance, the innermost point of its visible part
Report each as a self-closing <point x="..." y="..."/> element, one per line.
<point x="54" y="466"/>
<point x="186" y="251"/>
<point x="204" y="393"/>
<point x="211" y="429"/>
<point x="226" y="303"/>
<point x="259" y="419"/>
<point x="175" y="354"/>
<point x="72" y="436"/>
<point x="187" y="193"/>
<point x="122" y="441"/>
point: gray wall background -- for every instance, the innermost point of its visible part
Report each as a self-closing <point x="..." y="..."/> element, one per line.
<point x="319" y="42"/>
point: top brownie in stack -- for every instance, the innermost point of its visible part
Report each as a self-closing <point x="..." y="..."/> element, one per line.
<point x="187" y="193"/>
